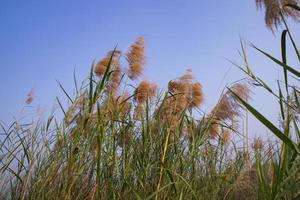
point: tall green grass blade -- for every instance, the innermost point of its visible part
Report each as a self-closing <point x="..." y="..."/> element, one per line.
<point x="263" y="187"/>
<point x="285" y="66"/>
<point x="296" y="93"/>
<point x="65" y="92"/>
<point x="61" y="107"/>
<point x="12" y="154"/>
<point x="297" y="130"/>
<point x="282" y="168"/>
<point x="16" y="174"/>
<point x="280" y="102"/>
<point x="24" y="148"/>
<point x="137" y="195"/>
<point x="106" y="76"/>
<point x="268" y="124"/>
<point x="294" y="6"/>
<point x="158" y="191"/>
<point x="75" y="82"/>
<point x="7" y="133"/>
<point x="244" y="56"/>
<point x="291" y="38"/>
<point x="264" y="85"/>
<point x="91" y="85"/>
<point x="283" y="54"/>
<point x="187" y="184"/>
<point x="49" y="120"/>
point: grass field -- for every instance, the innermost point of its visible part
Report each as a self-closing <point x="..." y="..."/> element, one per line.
<point x="123" y="138"/>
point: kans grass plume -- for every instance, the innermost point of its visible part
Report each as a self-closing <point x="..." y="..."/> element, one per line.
<point x="190" y="92"/>
<point x="102" y="65"/>
<point x="228" y="107"/>
<point x="112" y="59"/>
<point x="185" y="94"/>
<point x="136" y="58"/>
<point x="258" y="144"/>
<point x="276" y="9"/>
<point x="143" y="92"/>
<point x="226" y="136"/>
<point x="115" y="80"/>
<point x="119" y="106"/>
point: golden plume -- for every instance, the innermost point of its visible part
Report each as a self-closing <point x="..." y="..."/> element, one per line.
<point x="136" y="59"/>
<point x="144" y="91"/>
<point x="228" y="107"/>
<point x="101" y="66"/>
<point x="275" y="9"/>
<point x="185" y="93"/>
<point x="226" y="136"/>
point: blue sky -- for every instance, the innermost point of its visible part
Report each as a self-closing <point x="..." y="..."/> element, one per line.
<point x="44" y="41"/>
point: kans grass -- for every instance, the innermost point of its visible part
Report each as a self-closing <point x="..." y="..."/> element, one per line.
<point x="122" y="138"/>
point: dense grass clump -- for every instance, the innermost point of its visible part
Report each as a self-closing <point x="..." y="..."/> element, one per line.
<point x="113" y="144"/>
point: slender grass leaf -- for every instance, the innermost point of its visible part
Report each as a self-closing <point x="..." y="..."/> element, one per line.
<point x="283" y="54"/>
<point x="291" y="38"/>
<point x="288" y="68"/>
<point x="280" y="102"/>
<point x="61" y="107"/>
<point x="161" y="189"/>
<point x="268" y="124"/>
<point x="63" y="89"/>
<point x="296" y="7"/>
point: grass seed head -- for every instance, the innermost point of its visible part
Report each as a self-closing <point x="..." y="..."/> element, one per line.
<point x="29" y="98"/>
<point x="144" y="91"/>
<point x="123" y="104"/>
<point x="81" y="100"/>
<point x="138" y="111"/>
<point x="275" y="8"/>
<point x="136" y="59"/>
<point x="185" y="93"/>
<point x="258" y="144"/>
<point x="228" y="108"/>
<point x="188" y="76"/>
<point x="115" y="80"/>
<point x="226" y="136"/>
<point x="214" y="129"/>
<point x="101" y="66"/>
<point x="197" y="95"/>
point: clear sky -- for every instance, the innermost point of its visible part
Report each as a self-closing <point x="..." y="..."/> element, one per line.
<point x="44" y="41"/>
